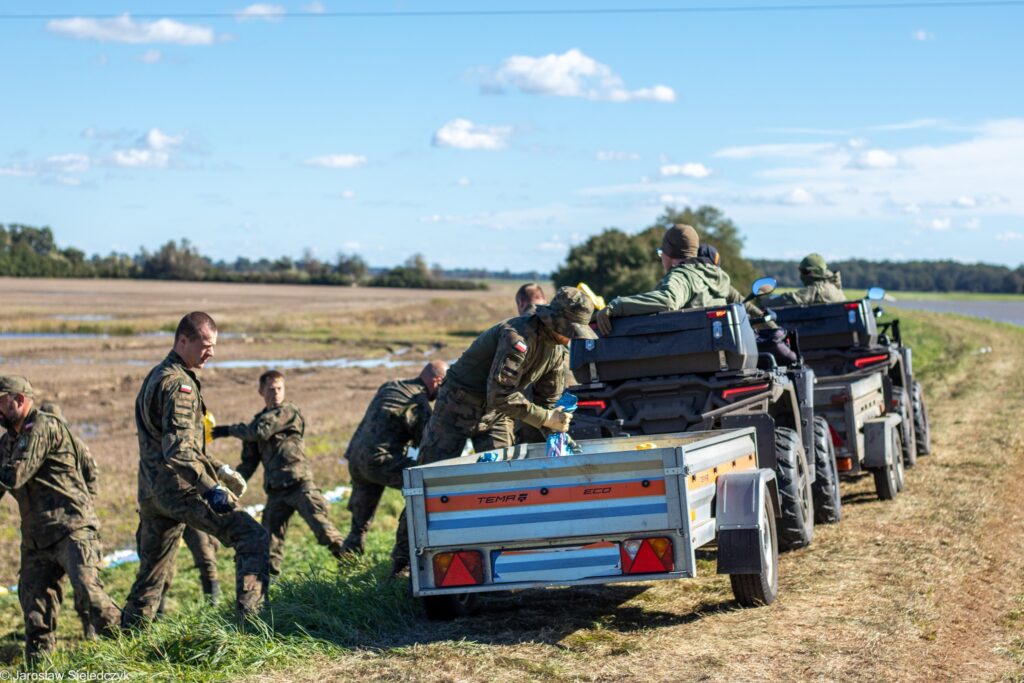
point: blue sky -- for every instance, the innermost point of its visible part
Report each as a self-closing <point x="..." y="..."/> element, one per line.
<point x="498" y="141"/>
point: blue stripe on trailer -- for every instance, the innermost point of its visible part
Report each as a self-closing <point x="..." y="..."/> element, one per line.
<point x="553" y="516"/>
<point x="562" y="563"/>
<point x="523" y="487"/>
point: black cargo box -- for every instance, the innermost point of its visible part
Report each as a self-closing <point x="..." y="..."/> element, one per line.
<point x="701" y="340"/>
<point x="844" y="325"/>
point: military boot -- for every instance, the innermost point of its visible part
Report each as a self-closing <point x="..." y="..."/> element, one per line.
<point x="211" y="589"/>
<point x="354" y="544"/>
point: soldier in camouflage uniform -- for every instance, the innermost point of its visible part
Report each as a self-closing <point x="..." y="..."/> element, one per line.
<point x="179" y="484"/>
<point x="821" y="285"/>
<point x="41" y="464"/>
<point x="394" y="420"/>
<point x="274" y="437"/>
<point x="689" y="282"/>
<point x="483" y="391"/>
<point x="528" y="297"/>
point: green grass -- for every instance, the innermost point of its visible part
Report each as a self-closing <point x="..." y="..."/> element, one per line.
<point x="320" y="612"/>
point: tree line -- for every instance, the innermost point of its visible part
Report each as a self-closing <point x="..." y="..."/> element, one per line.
<point x="27" y="251"/>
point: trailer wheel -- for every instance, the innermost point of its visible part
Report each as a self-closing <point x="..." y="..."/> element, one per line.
<point x="828" y="504"/>
<point x="888" y="479"/>
<point x="448" y="607"/>
<point x="752" y="590"/>
<point x="796" y="526"/>
<point x="906" y="410"/>
<point x="898" y="466"/>
<point x="922" y="429"/>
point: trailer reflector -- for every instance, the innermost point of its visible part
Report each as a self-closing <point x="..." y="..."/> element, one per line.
<point x="870" y="360"/>
<point x="460" y="568"/>
<point x="647" y="555"/>
<point x="844" y="464"/>
<point x="837" y="440"/>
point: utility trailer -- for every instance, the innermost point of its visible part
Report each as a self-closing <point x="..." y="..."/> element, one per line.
<point x="624" y="509"/>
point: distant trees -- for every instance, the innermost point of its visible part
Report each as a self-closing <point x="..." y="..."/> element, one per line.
<point x="615" y="263"/>
<point x="415" y="274"/>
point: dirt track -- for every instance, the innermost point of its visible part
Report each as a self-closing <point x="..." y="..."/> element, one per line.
<point x="919" y="589"/>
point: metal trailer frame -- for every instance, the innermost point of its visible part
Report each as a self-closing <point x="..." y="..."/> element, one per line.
<point x="700" y="471"/>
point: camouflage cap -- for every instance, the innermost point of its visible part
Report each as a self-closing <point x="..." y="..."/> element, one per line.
<point x="569" y="314"/>
<point x="680" y="241"/>
<point x="15" y="384"/>
<point x="814" y="265"/>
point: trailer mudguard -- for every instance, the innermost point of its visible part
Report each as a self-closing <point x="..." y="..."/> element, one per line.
<point x="878" y="440"/>
<point x="739" y="518"/>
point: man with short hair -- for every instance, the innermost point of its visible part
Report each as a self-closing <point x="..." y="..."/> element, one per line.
<point x="528" y="297"/>
<point x="275" y="439"/>
<point x="483" y="392"/>
<point x="180" y="484"/>
<point x="41" y="464"/>
<point x="689" y="282"/>
<point x="821" y="285"/>
<point x="377" y="453"/>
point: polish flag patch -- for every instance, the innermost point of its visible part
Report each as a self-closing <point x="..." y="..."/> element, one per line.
<point x="520" y="346"/>
<point x="185" y="389"/>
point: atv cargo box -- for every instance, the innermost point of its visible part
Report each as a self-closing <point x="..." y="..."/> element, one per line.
<point x="682" y="342"/>
<point x="844" y="325"/>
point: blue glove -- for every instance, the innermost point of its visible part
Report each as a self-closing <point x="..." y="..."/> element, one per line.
<point x="218" y="499"/>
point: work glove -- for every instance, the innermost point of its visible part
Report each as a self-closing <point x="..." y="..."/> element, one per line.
<point x="557" y="420"/>
<point x="220" y="431"/>
<point x="603" y="319"/>
<point x="218" y="499"/>
<point x="233" y="480"/>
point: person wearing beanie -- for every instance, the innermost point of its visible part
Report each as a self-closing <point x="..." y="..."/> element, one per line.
<point x="821" y="285"/>
<point x="689" y="282"/>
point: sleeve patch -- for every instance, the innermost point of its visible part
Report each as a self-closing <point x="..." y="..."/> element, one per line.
<point x="520" y="346"/>
<point x="185" y="389"/>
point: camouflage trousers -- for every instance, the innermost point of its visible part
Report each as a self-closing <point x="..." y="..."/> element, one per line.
<point x="311" y="505"/>
<point x="41" y="590"/>
<point x="162" y="520"/>
<point x="370" y="476"/>
<point x="458" y="415"/>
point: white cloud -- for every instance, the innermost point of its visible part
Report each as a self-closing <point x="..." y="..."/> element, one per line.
<point x="874" y="159"/>
<point x="916" y="124"/>
<point x="151" y="56"/>
<point x="437" y="218"/>
<point x="689" y="170"/>
<point x="17" y="171"/>
<point x="464" y="134"/>
<point x="68" y="163"/>
<point x="124" y="29"/>
<point x="673" y="199"/>
<point x="555" y="246"/>
<point x="140" y="158"/>
<point x="348" y="194"/>
<point x="572" y="74"/>
<point x="264" y="11"/>
<point x="798" y="196"/>
<point x="337" y="161"/>
<point x="351" y="245"/>
<point x="939" y="224"/>
<point x="801" y="149"/>
<point x="972" y="224"/>
<point x="157" y="139"/>
<point x="1010" y="236"/>
<point x="463" y="182"/>
<point x="922" y="35"/>
<point x="315" y="7"/>
<point x="605" y="155"/>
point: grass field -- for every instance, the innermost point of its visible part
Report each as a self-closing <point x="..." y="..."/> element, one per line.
<point x="929" y="586"/>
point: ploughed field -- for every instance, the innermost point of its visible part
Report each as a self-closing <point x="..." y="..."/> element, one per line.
<point x="927" y="587"/>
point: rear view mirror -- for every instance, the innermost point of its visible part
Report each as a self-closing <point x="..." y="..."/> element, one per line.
<point x="764" y="285"/>
<point x="876" y="294"/>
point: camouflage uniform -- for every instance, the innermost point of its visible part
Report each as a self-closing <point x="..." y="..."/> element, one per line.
<point x="174" y="473"/>
<point x="483" y="391"/>
<point x="377" y="454"/>
<point x="274" y="437"/>
<point x="692" y="284"/>
<point x="42" y="467"/>
<point x="821" y="285"/>
<point x="203" y="548"/>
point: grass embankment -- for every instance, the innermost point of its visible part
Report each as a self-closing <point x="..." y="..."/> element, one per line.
<point x="868" y="591"/>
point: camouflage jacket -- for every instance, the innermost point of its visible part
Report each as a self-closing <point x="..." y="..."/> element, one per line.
<point x="41" y="466"/>
<point x="169" y="414"/>
<point x="688" y="285"/>
<point x="507" y="358"/>
<point x="274" y="438"/>
<point x="394" y="420"/>
<point x="826" y="290"/>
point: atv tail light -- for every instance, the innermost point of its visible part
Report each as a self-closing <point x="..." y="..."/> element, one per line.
<point x="852" y="305"/>
<point x="460" y="568"/>
<point x="720" y="313"/>
<point x="844" y="464"/>
<point x="870" y="360"/>
<point x="647" y="555"/>
<point x="739" y="391"/>
<point x="598" y="405"/>
<point x="837" y="440"/>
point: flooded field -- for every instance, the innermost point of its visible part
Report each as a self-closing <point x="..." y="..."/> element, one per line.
<point x="1001" y="311"/>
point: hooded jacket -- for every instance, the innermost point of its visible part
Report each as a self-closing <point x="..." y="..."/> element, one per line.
<point x="694" y="284"/>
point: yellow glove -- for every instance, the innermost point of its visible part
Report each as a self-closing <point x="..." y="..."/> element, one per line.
<point x="209" y="422"/>
<point x="557" y="420"/>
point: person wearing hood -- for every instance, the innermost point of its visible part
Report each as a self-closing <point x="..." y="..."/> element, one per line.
<point x="689" y="282"/>
<point x="821" y="285"/>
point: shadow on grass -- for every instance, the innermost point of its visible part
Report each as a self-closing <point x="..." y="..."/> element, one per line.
<point x="860" y="497"/>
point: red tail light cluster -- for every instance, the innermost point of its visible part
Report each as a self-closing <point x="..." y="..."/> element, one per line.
<point x="852" y="305"/>
<point x="740" y="391"/>
<point x="461" y="568"/>
<point x="844" y="464"/>
<point x="837" y="440"/>
<point x="647" y="555"/>
<point x="720" y="313"/>
<point x="599" y="406"/>
<point x="870" y="360"/>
